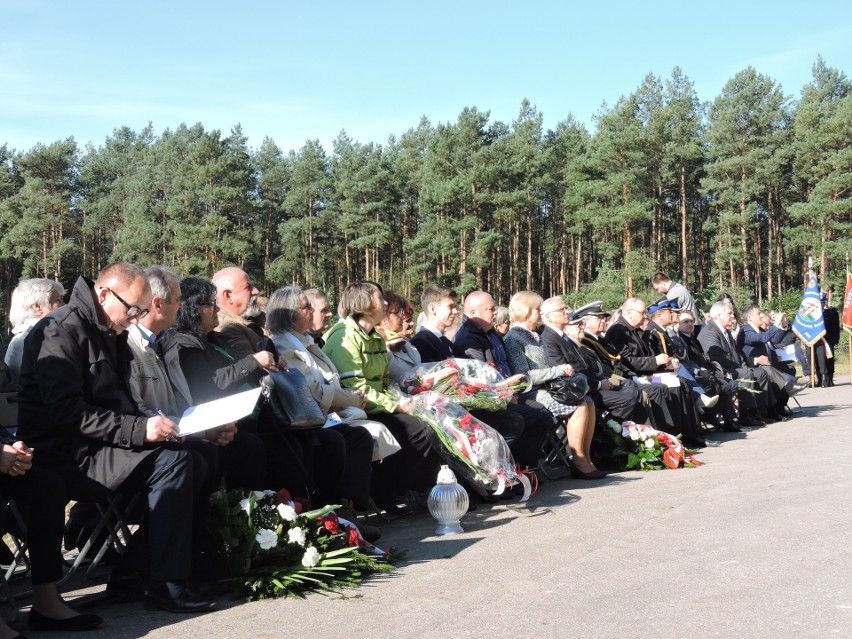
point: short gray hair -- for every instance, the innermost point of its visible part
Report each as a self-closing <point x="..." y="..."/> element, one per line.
<point x="718" y="307"/>
<point x="282" y="309"/>
<point x="161" y="279"/>
<point x="27" y="294"/>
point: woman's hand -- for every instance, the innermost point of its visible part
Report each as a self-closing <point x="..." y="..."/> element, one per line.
<point x="268" y="362"/>
<point x="16" y="459"/>
<point x="404" y="406"/>
<point x="361" y="397"/>
<point x="568" y="370"/>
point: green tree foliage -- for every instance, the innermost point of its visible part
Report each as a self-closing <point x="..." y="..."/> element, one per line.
<point x="735" y="195"/>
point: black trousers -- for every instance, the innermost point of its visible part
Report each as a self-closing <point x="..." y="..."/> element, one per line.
<point x="171" y="476"/>
<point x="414" y="467"/>
<point x="538" y="424"/>
<point x="241" y="463"/>
<point x="41" y="497"/>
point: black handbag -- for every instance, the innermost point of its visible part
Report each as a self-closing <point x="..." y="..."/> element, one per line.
<point x="289" y="396"/>
<point x="291" y="400"/>
<point x="570" y="391"/>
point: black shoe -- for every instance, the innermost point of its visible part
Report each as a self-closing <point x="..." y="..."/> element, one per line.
<point x="797" y="388"/>
<point x="594" y="474"/>
<point x="695" y="443"/>
<point x="122" y="586"/>
<point x="730" y="427"/>
<point x="751" y="422"/>
<point x="37" y="621"/>
<point x="786" y="411"/>
<point x="175" y="596"/>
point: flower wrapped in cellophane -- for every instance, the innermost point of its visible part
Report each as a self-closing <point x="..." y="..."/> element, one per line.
<point x="472" y="383"/>
<point x="647" y="448"/>
<point x="475" y="449"/>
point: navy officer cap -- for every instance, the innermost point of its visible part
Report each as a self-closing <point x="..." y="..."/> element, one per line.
<point x="592" y="308"/>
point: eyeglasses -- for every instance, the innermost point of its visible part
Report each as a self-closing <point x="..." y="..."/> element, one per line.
<point x="687" y="321"/>
<point x="132" y="311"/>
<point x="564" y="309"/>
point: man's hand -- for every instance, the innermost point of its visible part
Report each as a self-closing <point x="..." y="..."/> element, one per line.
<point x="663" y="360"/>
<point x="763" y="360"/>
<point x="160" y="429"/>
<point x="222" y="435"/>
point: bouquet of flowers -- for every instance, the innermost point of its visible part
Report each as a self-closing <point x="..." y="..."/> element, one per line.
<point x="264" y="543"/>
<point x="647" y="448"/>
<point x="470" y="382"/>
<point x="478" y="451"/>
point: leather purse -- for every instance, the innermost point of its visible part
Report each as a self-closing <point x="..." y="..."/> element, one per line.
<point x="291" y="400"/>
<point x="570" y="391"/>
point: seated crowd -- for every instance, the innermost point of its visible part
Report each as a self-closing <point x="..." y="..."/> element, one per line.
<point x="103" y="379"/>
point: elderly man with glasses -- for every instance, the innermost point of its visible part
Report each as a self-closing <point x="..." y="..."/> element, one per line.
<point x="77" y="411"/>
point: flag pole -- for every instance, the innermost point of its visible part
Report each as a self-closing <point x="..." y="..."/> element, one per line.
<point x="813" y="366"/>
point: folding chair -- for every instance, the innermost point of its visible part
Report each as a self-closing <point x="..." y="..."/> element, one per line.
<point x="114" y="510"/>
<point x="555" y="462"/>
<point x="12" y="527"/>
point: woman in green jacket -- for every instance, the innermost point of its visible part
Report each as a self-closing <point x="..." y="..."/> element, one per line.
<point x="360" y="355"/>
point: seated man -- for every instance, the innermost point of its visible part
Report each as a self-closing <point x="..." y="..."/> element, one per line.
<point x="159" y="386"/>
<point x="756" y="403"/>
<point x="439" y="307"/>
<point x="661" y="314"/>
<point x="631" y="343"/>
<point x="77" y="411"/>
<point x="321" y="315"/>
<point x="691" y="354"/>
<point x="477" y="339"/>
<point x="234" y="294"/>
<point x="561" y="338"/>
<point x="756" y="342"/>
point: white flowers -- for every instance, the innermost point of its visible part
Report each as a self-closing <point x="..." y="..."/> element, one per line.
<point x="296" y="536"/>
<point x="287" y="512"/>
<point x="650" y="443"/>
<point x="634" y="435"/>
<point x="310" y="558"/>
<point x="267" y="539"/>
<point x="245" y="504"/>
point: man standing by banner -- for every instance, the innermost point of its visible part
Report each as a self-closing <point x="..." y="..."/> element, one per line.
<point x="809" y="324"/>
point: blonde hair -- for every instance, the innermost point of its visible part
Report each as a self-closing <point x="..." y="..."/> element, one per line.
<point x="523" y="304"/>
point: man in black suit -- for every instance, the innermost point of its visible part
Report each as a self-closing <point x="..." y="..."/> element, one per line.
<point x="719" y="346"/>
<point x="560" y="337"/>
<point x="439" y="306"/>
<point x="832" y="336"/>
<point x="627" y="336"/>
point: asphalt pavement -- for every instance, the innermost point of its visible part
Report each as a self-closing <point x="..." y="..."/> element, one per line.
<point x="754" y="543"/>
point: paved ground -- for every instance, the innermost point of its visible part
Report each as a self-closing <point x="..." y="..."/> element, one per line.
<point x="756" y="543"/>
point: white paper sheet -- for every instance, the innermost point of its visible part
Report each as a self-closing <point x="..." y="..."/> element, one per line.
<point x="787" y="354"/>
<point x="218" y="412"/>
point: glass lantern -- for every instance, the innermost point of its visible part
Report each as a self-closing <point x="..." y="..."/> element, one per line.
<point x="448" y="503"/>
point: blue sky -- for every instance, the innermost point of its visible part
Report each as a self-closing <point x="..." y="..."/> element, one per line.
<point x="298" y="71"/>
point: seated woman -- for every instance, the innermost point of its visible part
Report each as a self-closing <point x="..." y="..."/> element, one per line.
<point x="359" y="353"/>
<point x="288" y="318"/>
<point x="396" y="329"/>
<point x="308" y="463"/>
<point x="527" y="355"/>
<point x="41" y="497"/>
<point x="32" y="299"/>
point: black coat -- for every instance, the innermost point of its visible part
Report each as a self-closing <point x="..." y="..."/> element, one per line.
<point x="561" y="350"/>
<point x="632" y="345"/>
<point x="431" y="347"/>
<point x="76" y="409"/>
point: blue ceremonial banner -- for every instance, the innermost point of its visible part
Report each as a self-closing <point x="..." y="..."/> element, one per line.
<point x="809" y="325"/>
